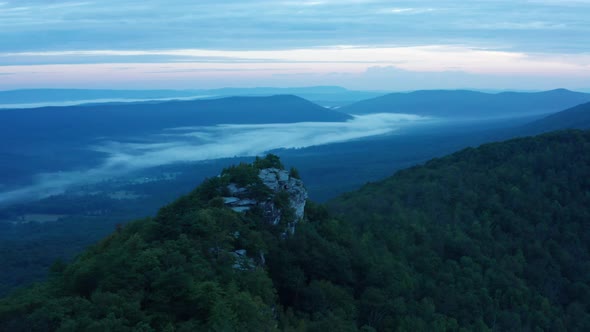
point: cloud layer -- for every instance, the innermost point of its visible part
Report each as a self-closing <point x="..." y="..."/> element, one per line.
<point x="193" y="144"/>
<point x="337" y="65"/>
<point x="267" y="24"/>
<point x="205" y="44"/>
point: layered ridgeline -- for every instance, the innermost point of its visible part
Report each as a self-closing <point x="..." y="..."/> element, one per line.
<point x="493" y="238"/>
<point x="127" y="119"/>
<point x="470" y="104"/>
<point x="577" y="117"/>
<point x="318" y="94"/>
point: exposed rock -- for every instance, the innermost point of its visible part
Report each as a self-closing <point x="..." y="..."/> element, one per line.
<point x="270" y="178"/>
<point x="238" y="204"/>
<point x="277" y="180"/>
<point x="236" y="201"/>
<point x="246" y="202"/>
<point x="271" y="213"/>
<point x="245" y="198"/>
<point x="241" y="208"/>
<point x="242" y="261"/>
<point x="230" y="200"/>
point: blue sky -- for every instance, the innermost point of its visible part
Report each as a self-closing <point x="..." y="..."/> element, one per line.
<point x="359" y="44"/>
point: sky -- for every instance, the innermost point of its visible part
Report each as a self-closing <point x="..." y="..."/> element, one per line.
<point x="357" y="44"/>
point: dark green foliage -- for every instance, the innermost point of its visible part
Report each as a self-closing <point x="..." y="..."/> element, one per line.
<point x="294" y="173"/>
<point x="494" y="238"/>
<point x="270" y="161"/>
<point x="281" y="201"/>
<point x="242" y="174"/>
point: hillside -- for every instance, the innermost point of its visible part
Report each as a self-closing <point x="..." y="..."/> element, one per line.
<point x="82" y="122"/>
<point x="493" y="238"/>
<point x="505" y="225"/>
<point x="470" y="104"/>
<point x="577" y="117"/>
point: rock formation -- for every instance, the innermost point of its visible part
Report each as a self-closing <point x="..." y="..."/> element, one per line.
<point x="278" y="181"/>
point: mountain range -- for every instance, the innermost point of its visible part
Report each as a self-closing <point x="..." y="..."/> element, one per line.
<point x="30" y="98"/>
<point x="470" y="104"/>
<point x="89" y="121"/>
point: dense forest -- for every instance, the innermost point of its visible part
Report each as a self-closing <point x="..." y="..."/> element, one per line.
<point x="494" y="238"/>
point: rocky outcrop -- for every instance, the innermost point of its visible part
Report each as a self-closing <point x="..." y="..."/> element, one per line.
<point x="242" y="261"/>
<point x="278" y="181"/>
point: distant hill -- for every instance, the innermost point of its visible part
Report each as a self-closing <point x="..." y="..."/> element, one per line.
<point x="470" y="104"/>
<point x="76" y="122"/>
<point x="331" y="96"/>
<point x="577" y="117"/>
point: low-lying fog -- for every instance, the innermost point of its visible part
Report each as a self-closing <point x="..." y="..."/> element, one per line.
<point x="193" y="144"/>
<point x="97" y="101"/>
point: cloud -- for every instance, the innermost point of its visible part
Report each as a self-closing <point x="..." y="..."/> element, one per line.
<point x="404" y="80"/>
<point x="534" y="25"/>
<point x="217" y="68"/>
<point x="263" y="24"/>
<point x="418" y="58"/>
<point x="405" y="10"/>
<point x="520" y="37"/>
<point x="180" y="145"/>
<point x="94" y="101"/>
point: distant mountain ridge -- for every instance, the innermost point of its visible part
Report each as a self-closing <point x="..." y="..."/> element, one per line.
<point x="137" y="118"/>
<point x="470" y="104"/>
<point x="31" y="98"/>
<point x="577" y="117"/>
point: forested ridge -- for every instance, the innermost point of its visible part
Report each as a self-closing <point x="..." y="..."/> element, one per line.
<point x="494" y="238"/>
<point x="498" y="235"/>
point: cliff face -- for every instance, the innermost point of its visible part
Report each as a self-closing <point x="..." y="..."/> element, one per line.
<point x="280" y="183"/>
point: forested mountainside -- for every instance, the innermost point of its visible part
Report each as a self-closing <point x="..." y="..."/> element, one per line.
<point x="498" y="235"/>
<point x="488" y="239"/>
<point x="470" y="104"/>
